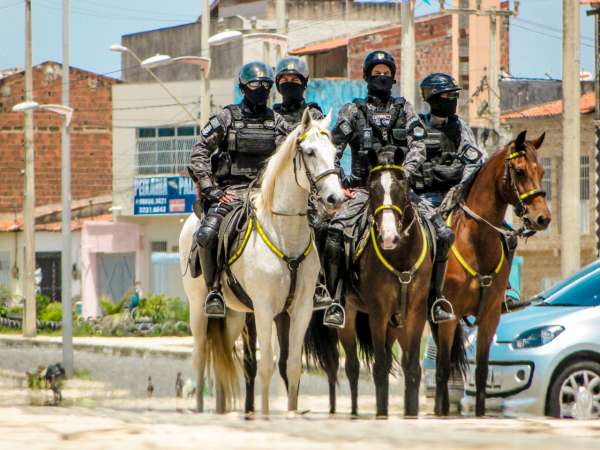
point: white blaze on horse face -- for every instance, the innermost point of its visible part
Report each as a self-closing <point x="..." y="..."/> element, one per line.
<point x="389" y="225"/>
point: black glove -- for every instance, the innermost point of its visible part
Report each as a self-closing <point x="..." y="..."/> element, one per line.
<point x="212" y="194"/>
<point x="351" y="181"/>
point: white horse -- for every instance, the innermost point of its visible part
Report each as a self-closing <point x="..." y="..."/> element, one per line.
<point x="304" y="160"/>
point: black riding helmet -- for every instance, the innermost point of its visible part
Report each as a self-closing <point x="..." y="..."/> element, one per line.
<point x="378" y="57"/>
<point x="438" y="83"/>
<point x="255" y="71"/>
<point x="291" y="65"/>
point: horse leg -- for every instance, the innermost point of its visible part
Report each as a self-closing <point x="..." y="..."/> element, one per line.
<point x="352" y="365"/>
<point x="282" y="323"/>
<point x="411" y="366"/>
<point x="445" y="339"/>
<point x="264" y="321"/>
<point x="485" y="334"/>
<point x="332" y="378"/>
<point x="250" y="362"/>
<point x="299" y="320"/>
<point x="378" y="325"/>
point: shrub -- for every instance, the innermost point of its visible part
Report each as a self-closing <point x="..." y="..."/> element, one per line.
<point x="111" y="308"/>
<point x="41" y="303"/>
<point x="52" y="312"/>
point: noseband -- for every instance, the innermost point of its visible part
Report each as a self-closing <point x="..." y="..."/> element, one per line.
<point x="395" y="208"/>
<point x="312" y="179"/>
<point x="522" y="198"/>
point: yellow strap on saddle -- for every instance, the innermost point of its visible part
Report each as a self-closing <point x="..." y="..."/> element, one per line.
<point x="242" y="247"/>
<point x="465" y="264"/>
<point x="387" y="167"/>
<point x="274" y="249"/>
<point x="386" y="263"/>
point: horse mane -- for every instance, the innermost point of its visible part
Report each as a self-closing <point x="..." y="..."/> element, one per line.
<point x="469" y="183"/>
<point x="280" y="159"/>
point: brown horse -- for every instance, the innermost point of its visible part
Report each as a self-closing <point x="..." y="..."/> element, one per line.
<point x="478" y="269"/>
<point x="394" y="272"/>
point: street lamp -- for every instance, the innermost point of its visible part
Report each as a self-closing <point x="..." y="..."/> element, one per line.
<point x="66" y="298"/>
<point x="160" y="60"/>
<point x="122" y="49"/>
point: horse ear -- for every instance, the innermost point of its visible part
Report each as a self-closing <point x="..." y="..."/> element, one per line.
<point x="327" y="120"/>
<point x="520" y="140"/>
<point x="537" y="143"/>
<point x="306" y="120"/>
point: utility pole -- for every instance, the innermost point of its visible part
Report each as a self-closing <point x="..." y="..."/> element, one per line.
<point x="408" y="56"/>
<point x="205" y="52"/>
<point x="66" y="260"/>
<point x="595" y="12"/>
<point x="493" y="72"/>
<point x="570" y="253"/>
<point x="29" y="315"/>
<point x="280" y="12"/>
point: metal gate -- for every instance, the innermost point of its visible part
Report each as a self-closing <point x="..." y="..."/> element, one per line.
<point x="116" y="274"/>
<point x="49" y="263"/>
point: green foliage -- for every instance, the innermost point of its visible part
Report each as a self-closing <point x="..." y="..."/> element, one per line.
<point x="5" y="300"/>
<point x="111" y="308"/>
<point x="42" y="302"/>
<point x="15" y="311"/>
<point x="52" y="312"/>
<point x="161" y="308"/>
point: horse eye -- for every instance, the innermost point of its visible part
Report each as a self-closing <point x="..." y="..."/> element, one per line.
<point x="309" y="151"/>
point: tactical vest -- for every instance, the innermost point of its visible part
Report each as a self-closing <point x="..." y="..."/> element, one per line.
<point x="377" y="129"/>
<point x="250" y="142"/>
<point x="443" y="168"/>
<point x="293" y="118"/>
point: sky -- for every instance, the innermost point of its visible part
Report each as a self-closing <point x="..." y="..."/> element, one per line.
<point x="535" y="39"/>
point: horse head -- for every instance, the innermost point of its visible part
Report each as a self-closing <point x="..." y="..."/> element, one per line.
<point x="316" y="155"/>
<point x="522" y="181"/>
<point x="388" y="195"/>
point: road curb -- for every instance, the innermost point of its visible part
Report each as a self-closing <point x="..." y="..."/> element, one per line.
<point x="116" y="349"/>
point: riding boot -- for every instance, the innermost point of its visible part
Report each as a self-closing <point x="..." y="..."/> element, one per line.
<point x="335" y="315"/>
<point x="441" y="308"/>
<point x="214" y="305"/>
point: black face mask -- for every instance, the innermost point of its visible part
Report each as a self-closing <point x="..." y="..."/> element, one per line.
<point x="258" y="96"/>
<point x="291" y="93"/>
<point x="443" y="107"/>
<point x="380" y="85"/>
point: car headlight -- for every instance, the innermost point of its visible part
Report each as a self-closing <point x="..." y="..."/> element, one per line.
<point x="536" y="337"/>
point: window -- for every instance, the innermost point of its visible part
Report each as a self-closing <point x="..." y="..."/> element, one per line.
<point x="547" y="178"/>
<point x="4" y="268"/>
<point x="159" y="246"/>
<point x="164" y="150"/>
<point x="584" y="194"/>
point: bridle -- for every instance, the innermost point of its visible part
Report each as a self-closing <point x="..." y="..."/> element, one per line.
<point x="523" y="199"/>
<point x="313" y="180"/>
<point x="397" y="210"/>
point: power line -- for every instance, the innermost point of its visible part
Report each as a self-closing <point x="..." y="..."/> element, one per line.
<point x="583" y="44"/>
<point x="548" y="27"/>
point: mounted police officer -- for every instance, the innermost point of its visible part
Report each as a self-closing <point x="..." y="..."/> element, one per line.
<point x="368" y="125"/>
<point x="228" y="156"/>
<point x="452" y="157"/>
<point x="291" y="79"/>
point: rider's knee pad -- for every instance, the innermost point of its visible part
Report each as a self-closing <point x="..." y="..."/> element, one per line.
<point x="209" y="231"/>
<point x="445" y="239"/>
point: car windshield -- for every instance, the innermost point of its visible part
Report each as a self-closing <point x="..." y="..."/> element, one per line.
<point x="567" y="281"/>
<point x="584" y="292"/>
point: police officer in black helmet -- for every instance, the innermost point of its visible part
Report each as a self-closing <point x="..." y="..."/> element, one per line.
<point x="452" y="157"/>
<point x="291" y="79"/>
<point x="232" y="149"/>
<point x="368" y="125"/>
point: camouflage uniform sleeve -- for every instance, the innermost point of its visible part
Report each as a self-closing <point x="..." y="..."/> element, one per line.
<point x="344" y="130"/>
<point x="212" y="134"/>
<point x="282" y="129"/>
<point x="472" y="156"/>
<point x="415" y="136"/>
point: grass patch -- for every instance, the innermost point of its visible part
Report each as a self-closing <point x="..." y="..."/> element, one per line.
<point x="83" y="374"/>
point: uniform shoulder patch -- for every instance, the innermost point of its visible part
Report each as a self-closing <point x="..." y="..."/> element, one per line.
<point x="470" y="154"/>
<point x="419" y="132"/>
<point x="207" y="130"/>
<point x="345" y="128"/>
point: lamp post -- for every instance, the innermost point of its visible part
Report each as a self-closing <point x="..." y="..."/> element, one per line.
<point x="67" y="320"/>
<point x="122" y="49"/>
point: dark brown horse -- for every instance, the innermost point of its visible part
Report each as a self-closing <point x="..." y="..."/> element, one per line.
<point x="478" y="269"/>
<point x="394" y="272"/>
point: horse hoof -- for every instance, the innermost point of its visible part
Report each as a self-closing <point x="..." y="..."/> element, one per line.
<point x="381" y="417"/>
<point x="291" y="415"/>
<point x="249" y="415"/>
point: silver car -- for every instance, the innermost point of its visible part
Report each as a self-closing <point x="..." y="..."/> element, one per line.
<point x="545" y="359"/>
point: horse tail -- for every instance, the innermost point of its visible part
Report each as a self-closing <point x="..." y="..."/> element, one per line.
<point x="365" y="340"/>
<point x="223" y="358"/>
<point x="459" y="363"/>
<point x="321" y="345"/>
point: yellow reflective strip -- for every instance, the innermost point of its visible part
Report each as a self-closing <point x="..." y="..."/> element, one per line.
<point x="527" y="194"/>
<point x="387" y="167"/>
<point x="423" y="254"/>
<point x="502" y="257"/>
<point x="267" y="242"/>
<point x="303" y="136"/>
<point x="462" y="262"/>
<point x="449" y="219"/>
<point x="242" y="247"/>
<point x="383" y="261"/>
<point x="383" y="207"/>
<point x="309" y="247"/>
<point x="516" y="154"/>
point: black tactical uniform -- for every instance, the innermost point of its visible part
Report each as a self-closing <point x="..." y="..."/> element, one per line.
<point x="368" y="125"/>
<point x="230" y="153"/>
<point x="452" y="157"/>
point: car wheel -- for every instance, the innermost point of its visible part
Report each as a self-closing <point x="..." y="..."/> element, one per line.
<point x="575" y="393"/>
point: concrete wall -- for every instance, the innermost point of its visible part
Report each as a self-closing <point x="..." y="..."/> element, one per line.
<point x="541" y="253"/>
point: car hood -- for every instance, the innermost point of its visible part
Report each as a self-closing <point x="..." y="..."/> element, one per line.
<point x="513" y="324"/>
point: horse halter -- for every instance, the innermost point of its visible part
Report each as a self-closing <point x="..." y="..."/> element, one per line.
<point x="522" y="198"/>
<point x="395" y="208"/>
<point x="312" y="179"/>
